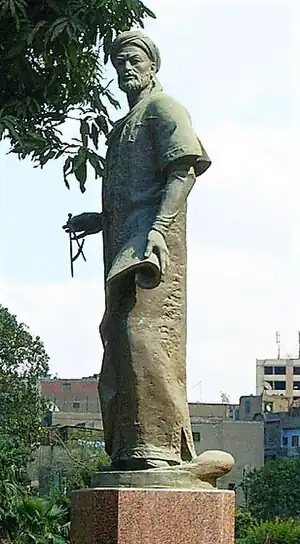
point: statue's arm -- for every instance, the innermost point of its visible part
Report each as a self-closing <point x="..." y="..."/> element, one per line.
<point x="85" y="223"/>
<point x="180" y="178"/>
<point x="179" y="155"/>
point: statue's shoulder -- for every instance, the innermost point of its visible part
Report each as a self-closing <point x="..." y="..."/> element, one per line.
<point x="160" y="103"/>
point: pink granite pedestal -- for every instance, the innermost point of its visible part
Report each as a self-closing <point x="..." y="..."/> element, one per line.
<point x="152" y="516"/>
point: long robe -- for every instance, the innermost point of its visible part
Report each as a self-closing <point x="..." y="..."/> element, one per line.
<point x="142" y="383"/>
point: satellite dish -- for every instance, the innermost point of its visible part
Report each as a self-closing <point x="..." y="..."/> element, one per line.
<point x="52" y="407"/>
<point x="225" y="398"/>
<point x="267" y="387"/>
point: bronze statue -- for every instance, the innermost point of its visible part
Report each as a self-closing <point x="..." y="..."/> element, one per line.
<point x="153" y="160"/>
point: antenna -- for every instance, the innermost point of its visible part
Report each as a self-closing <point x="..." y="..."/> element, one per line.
<point x="224" y="398"/>
<point x="199" y="384"/>
<point x="278" y="343"/>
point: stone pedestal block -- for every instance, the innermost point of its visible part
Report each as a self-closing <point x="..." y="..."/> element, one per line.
<point x="152" y="516"/>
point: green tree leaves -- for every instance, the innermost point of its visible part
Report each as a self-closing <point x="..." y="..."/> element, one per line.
<point x="274" y="490"/>
<point x="274" y="532"/>
<point x="23" y="361"/>
<point x="51" y="67"/>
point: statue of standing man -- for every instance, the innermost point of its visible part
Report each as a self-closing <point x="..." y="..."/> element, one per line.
<point x="153" y="160"/>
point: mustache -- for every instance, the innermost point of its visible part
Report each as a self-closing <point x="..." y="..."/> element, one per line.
<point x="130" y="74"/>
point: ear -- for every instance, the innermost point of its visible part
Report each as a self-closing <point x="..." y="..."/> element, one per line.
<point x="153" y="68"/>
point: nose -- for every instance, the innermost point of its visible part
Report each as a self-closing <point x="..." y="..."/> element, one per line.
<point x="127" y="65"/>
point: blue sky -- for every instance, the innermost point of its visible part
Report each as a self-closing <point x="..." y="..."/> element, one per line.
<point x="233" y="66"/>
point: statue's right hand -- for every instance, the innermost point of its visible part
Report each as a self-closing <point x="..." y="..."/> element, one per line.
<point x="85" y="223"/>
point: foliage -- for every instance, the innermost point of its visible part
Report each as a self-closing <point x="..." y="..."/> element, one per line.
<point x="273" y="532"/>
<point x="23" y="361"/>
<point x="243" y="522"/>
<point x="12" y="481"/>
<point x="39" y="521"/>
<point x="51" y="71"/>
<point x="274" y="490"/>
<point x="23" y="518"/>
<point x="74" y="467"/>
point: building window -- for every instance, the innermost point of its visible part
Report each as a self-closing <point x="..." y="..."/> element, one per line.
<point x="296" y="370"/>
<point x="296" y="385"/>
<point x="285" y="441"/>
<point x="279" y="370"/>
<point x="295" y="441"/>
<point x="268" y="370"/>
<point x="76" y="404"/>
<point x="277" y="385"/>
<point x="66" y="386"/>
<point x="196" y="437"/>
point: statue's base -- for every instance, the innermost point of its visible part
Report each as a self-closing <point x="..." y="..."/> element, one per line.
<point x="200" y="473"/>
<point x="149" y="479"/>
<point x="152" y="516"/>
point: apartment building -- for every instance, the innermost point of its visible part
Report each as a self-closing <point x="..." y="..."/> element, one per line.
<point x="278" y="377"/>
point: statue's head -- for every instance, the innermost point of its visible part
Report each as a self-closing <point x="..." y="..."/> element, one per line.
<point x="136" y="60"/>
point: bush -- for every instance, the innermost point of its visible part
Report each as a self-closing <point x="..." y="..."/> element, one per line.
<point x="40" y="521"/>
<point x="273" y="532"/>
<point x="243" y="522"/>
<point x="273" y="491"/>
<point x="13" y="482"/>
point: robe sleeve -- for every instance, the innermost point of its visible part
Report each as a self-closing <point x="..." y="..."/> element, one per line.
<point x="173" y="135"/>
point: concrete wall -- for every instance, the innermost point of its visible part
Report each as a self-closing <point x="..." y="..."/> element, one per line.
<point x="199" y="409"/>
<point x="243" y="439"/>
<point x="250" y="406"/>
<point x="93" y="421"/>
<point x="47" y="461"/>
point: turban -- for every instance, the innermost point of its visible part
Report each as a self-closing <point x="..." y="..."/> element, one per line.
<point x="137" y="39"/>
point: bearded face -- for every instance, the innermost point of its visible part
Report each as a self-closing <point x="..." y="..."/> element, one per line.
<point x="135" y="70"/>
<point x="135" y="82"/>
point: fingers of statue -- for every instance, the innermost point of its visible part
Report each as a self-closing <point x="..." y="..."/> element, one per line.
<point x="67" y="228"/>
<point x="149" y="248"/>
<point x="89" y="223"/>
<point x="164" y="260"/>
<point x="88" y="233"/>
<point x="156" y="244"/>
<point x="75" y="224"/>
